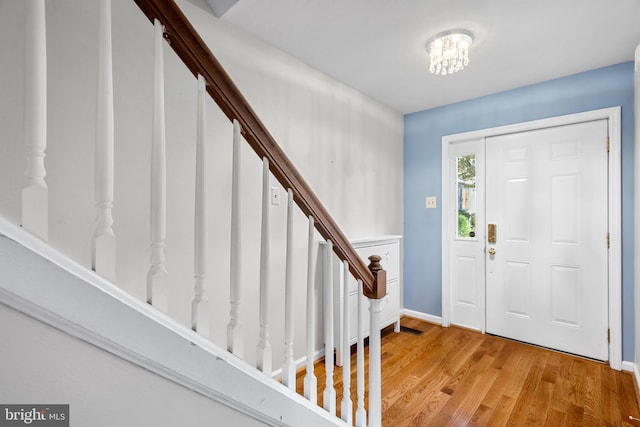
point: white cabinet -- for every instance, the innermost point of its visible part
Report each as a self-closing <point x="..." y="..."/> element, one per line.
<point x="388" y="247"/>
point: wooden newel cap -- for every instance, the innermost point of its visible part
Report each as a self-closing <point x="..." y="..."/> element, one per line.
<point x="379" y="278"/>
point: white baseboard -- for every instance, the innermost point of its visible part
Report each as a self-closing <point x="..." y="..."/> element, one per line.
<point x="636" y="377"/>
<point x="628" y="366"/>
<point x="422" y="316"/>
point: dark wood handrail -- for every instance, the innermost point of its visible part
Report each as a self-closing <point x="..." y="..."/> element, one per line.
<point x="195" y="54"/>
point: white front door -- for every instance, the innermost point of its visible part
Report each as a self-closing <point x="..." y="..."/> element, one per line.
<point x="546" y="273"/>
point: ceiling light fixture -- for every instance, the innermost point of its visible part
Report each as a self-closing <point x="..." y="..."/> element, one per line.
<point x="449" y="51"/>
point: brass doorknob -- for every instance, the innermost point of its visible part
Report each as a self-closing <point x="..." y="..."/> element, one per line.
<point x="492" y="251"/>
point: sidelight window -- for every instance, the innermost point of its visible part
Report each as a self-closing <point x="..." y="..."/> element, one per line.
<point x="466" y="194"/>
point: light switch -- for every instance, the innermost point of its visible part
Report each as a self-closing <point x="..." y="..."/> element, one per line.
<point x="275" y="195"/>
<point x="431" y="202"/>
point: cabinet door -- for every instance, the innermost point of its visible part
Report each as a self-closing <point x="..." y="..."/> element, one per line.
<point x="389" y="315"/>
<point x="390" y="253"/>
<point x="391" y="305"/>
<point x="353" y="318"/>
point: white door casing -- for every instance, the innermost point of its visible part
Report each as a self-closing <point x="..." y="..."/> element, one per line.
<point x="614" y="271"/>
<point x="546" y="280"/>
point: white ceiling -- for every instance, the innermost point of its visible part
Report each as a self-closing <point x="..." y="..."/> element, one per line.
<point x="378" y="46"/>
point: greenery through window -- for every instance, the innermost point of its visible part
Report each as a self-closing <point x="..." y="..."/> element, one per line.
<point x="466" y="194"/>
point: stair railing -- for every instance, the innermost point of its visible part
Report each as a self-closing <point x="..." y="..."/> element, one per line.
<point x="173" y="27"/>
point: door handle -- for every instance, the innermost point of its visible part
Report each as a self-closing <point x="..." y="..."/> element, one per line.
<point x="492" y="251"/>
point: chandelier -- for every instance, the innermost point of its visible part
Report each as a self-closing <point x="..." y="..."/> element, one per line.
<point x="449" y="51"/>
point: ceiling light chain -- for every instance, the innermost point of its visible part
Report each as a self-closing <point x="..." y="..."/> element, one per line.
<point x="449" y="51"/>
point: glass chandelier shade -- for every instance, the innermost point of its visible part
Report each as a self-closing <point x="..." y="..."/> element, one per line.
<point x="449" y="51"/>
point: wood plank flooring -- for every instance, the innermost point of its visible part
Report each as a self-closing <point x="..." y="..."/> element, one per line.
<point x="456" y="377"/>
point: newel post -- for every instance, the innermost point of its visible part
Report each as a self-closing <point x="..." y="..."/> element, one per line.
<point x="375" y="296"/>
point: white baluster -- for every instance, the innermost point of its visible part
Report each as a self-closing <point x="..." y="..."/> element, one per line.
<point x="375" y="373"/>
<point x="289" y="365"/>
<point x="361" y="413"/>
<point x="35" y="194"/>
<point x="264" y="346"/>
<point x="103" y="255"/>
<point x="157" y="280"/>
<point x="234" y="329"/>
<point x="346" y="405"/>
<point x="200" y="303"/>
<point x="310" y="380"/>
<point x="329" y="395"/>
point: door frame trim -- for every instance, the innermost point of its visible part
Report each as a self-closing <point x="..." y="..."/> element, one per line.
<point x="612" y="115"/>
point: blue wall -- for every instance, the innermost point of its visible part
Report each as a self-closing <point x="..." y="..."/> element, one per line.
<point x="606" y="87"/>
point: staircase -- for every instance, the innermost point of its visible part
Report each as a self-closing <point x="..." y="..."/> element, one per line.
<point x="238" y="356"/>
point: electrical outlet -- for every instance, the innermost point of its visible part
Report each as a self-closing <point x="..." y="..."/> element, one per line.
<point x="431" y="202"/>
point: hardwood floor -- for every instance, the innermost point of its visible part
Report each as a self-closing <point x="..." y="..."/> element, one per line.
<point x="456" y="377"/>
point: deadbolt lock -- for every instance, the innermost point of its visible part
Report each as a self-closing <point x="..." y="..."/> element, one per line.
<point x="492" y="251"/>
<point x="491" y="233"/>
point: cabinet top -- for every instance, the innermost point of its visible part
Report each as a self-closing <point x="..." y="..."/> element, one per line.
<point x="376" y="239"/>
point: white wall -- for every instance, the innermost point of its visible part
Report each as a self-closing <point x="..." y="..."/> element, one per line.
<point x="636" y="183"/>
<point x="42" y="365"/>
<point x="347" y="146"/>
